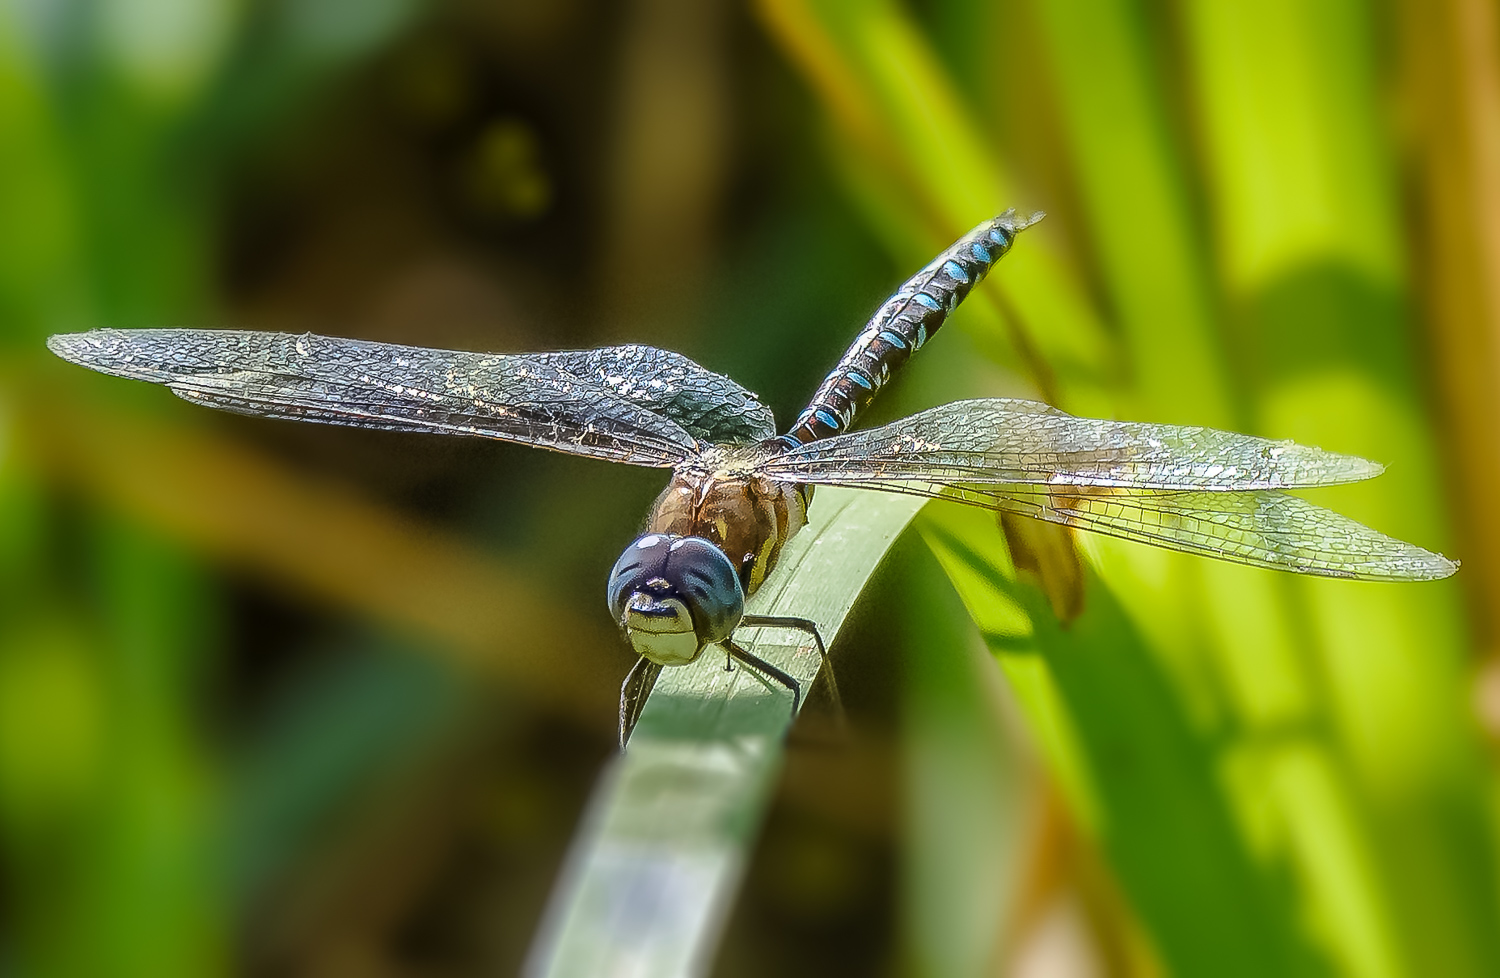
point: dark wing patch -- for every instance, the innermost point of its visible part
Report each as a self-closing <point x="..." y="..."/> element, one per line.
<point x="383" y="386"/>
<point x="709" y="405"/>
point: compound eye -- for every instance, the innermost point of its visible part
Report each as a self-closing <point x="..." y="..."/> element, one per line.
<point x="669" y="593"/>
<point x="642" y="561"/>
<point x="707" y="583"/>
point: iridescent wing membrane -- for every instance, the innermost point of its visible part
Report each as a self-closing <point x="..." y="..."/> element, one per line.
<point x="628" y="404"/>
<point x="1197" y="490"/>
<point x="1193" y="489"/>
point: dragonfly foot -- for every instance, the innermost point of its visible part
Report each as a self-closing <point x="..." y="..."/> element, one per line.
<point x="633" y="692"/>
<point x="809" y="627"/>
<point x="766" y="669"/>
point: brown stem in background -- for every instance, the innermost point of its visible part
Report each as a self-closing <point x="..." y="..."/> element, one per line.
<point x="670" y="157"/>
<point x="1452" y="50"/>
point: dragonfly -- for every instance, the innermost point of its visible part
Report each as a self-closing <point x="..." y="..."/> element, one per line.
<point x="739" y="490"/>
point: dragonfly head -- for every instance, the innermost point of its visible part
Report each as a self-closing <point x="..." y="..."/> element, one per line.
<point x="674" y="596"/>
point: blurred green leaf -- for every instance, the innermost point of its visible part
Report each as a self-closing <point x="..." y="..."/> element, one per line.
<point x="110" y="794"/>
<point x="342" y="728"/>
<point x="1140" y="778"/>
<point x="968" y="794"/>
<point x="1313" y="731"/>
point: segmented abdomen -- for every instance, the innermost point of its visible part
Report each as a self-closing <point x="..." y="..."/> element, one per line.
<point x="900" y="327"/>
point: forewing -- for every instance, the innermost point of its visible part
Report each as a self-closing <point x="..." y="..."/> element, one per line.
<point x="388" y="387"/>
<point x="1263" y="528"/>
<point x="709" y="405"/>
<point x="997" y="440"/>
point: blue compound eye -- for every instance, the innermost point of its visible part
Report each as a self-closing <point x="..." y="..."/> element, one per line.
<point x="642" y="561"/>
<point x="706" y="582"/>
<point x="674" y="596"/>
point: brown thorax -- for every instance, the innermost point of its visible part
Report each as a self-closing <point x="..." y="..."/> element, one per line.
<point x="722" y="499"/>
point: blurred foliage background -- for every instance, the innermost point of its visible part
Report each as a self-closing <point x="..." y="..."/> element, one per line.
<point x="287" y="700"/>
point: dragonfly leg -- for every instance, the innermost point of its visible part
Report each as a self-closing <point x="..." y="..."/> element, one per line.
<point x="633" y="693"/>
<point x="810" y="627"/>
<point x="765" y="668"/>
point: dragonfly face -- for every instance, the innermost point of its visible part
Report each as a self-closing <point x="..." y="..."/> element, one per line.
<point x="673" y="596"/>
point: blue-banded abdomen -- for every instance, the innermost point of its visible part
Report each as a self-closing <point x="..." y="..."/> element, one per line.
<point x="900" y="327"/>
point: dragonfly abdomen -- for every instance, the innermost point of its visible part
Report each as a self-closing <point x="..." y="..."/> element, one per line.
<point x="902" y="325"/>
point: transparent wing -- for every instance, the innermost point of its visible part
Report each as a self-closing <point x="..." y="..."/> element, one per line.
<point x="709" y="405"/>
<point x="362" y="384"/>
<point x="997" y="440"/>
<point x="1263" y="528"/>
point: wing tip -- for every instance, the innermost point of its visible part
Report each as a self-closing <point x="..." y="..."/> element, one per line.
<point x="1420" y="565"/>
<point x="1325" y="468"/>
<point x="94" y="348"/>
<point x="135" y="354"/>
<point x="73" y="347"/>
<point x="1444" y="566"/>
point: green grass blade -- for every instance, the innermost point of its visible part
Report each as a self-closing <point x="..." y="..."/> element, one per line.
<point x="1123" y="747"/>
<point x="970" y="798"/>
<point x="1303" y="192"/>
<point x="1138" y="212"/>
<point x="653" y="870"/>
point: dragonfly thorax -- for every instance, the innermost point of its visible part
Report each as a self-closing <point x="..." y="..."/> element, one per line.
<point x="747" y="516"/>
<point x="674" y="596"/>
